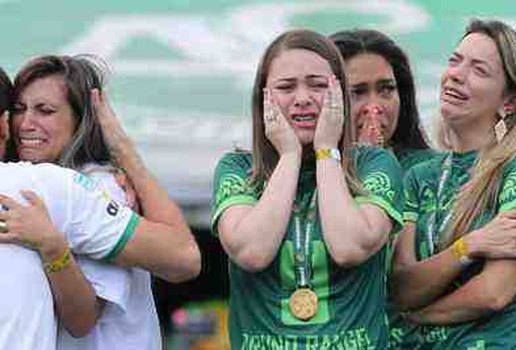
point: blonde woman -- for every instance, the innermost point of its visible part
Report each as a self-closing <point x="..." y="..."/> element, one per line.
<point x="454" y="300"/>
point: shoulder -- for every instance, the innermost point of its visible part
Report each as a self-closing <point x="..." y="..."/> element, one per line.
<point x="428" y="167"/>
<point x="238" y="162"/>
<point x="412" y="156"/>
<point x="363" y="154"/>
<point x="242" y="159"/>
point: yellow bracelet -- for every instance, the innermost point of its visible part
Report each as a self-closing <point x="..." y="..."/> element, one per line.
<point x="60" y="263"/>
<point x="460" y="251"/>
<point x="325" y="153"/>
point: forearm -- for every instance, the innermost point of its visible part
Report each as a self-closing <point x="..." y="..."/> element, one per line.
<point x="76" y="303"/>
<point x="155" y="202"/>
<point x="417" y="284"/>
<point x="350" y="235"/>
<point x="488" y="292"/>
<point x="252" y="238"/>
<point x="157" y="248"/>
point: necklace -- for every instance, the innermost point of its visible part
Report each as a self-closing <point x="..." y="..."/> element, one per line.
<point x="303" y="302"/>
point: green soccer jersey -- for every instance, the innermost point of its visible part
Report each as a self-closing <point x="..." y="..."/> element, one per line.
<point x="410" y="157"/>
<point x="497" y="331"/>
<point x="351" y="313"/>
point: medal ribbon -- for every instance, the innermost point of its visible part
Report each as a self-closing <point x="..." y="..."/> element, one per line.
<point x="302" y="251"/>
<point x="434" y="232"/>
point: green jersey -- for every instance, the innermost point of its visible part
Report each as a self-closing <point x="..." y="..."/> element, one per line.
<point x="407" y="159"/>
<point x="351" y="311"/>
<point x="497" y="331"/>
<point x="410" y="157"/>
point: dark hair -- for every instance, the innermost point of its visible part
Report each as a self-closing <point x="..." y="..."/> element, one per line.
<point x="6" y="91"/>
<point x="6" y="99"/>
<point x="265" y="156"/>
<point x="80" y="75"/>
<point x="408" y="133"/>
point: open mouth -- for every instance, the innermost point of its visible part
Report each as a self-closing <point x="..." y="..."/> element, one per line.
<point x="454" y="94"/>
<point x="304" y="117"/>
<point x="30" y="142"/>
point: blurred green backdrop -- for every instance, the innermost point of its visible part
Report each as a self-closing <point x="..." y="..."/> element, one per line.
<point x="182" y="70"/>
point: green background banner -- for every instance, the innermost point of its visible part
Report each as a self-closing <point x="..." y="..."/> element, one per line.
<point x="182" y="70"/>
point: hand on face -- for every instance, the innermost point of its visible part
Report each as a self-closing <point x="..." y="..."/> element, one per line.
<point x="277" y="130"/>
<point x="331" y="118"/>
<point x="370" y="131"/>
<point x="29" y="225"/>
<point x="112" y="130"/>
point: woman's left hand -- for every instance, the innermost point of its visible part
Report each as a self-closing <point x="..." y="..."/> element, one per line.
<point x="331" y="118"/>
<point x="30" y="225"/>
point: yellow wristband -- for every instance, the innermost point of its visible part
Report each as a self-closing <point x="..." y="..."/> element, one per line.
<point x="325" y="153"/>
<point x="60" y="263"/>
<point x="460" y="251"/>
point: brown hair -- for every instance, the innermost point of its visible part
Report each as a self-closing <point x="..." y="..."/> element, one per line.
<point x="80" y="75"/>
<point x="265" y="157"/>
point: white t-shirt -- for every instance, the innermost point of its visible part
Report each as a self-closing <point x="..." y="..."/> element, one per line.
<point x="94" y="226"/>
<point x="129" y="320"/>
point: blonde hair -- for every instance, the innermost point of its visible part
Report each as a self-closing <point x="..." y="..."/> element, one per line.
<point x="482" y="189"/>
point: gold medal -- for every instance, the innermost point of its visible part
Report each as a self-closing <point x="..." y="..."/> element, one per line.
<point x="303" y="304"/>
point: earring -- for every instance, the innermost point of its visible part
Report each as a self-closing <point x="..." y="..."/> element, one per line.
<point x="500" y="130"/>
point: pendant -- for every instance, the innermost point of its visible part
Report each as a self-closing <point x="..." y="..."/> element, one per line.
<point x="303" y="304"/>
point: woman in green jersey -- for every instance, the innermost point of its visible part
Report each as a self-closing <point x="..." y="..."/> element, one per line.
<point x="383" y="94"/>
<point x="454" y="301"/>
<point x="305" y="216"/>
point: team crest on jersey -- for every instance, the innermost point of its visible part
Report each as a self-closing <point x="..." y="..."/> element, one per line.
<point x="112" y="208"/>
<point x="232" y="185"/>
<point x="379" y="183"/>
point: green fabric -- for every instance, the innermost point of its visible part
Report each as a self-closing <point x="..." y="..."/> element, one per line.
<point x="410" y="157"/>
<point x="493" y="332"/>
<point x="351" y="312"/>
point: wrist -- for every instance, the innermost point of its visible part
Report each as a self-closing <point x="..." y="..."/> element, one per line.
<point x="52" y="247"/>
<point x="474" y="244"/>
<point x="460" y="249"/>
<point x="328" y="153"/>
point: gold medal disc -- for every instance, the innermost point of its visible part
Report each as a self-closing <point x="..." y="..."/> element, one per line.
<point x="303" y="304"/>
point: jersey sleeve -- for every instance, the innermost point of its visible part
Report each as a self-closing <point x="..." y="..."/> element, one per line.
<point x="231" y="185"/>
<point x="95" y="225"/>
<point x="507" y="196"/>
<point x="381" y="177"/>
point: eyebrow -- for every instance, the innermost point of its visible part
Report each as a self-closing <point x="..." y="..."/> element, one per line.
<point x="474" y="60"/>
<point x="308" y="77"/>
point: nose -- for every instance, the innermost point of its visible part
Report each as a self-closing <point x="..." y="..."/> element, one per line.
<point x="302" y="97"/>
<point x="457" y="73"/>
<point x="24" y="120"/>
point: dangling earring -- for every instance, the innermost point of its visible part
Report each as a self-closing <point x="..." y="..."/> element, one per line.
<point x="500" y="127"/>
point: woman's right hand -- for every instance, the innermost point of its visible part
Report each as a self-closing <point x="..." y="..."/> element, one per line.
<point x="277" y="130"/>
